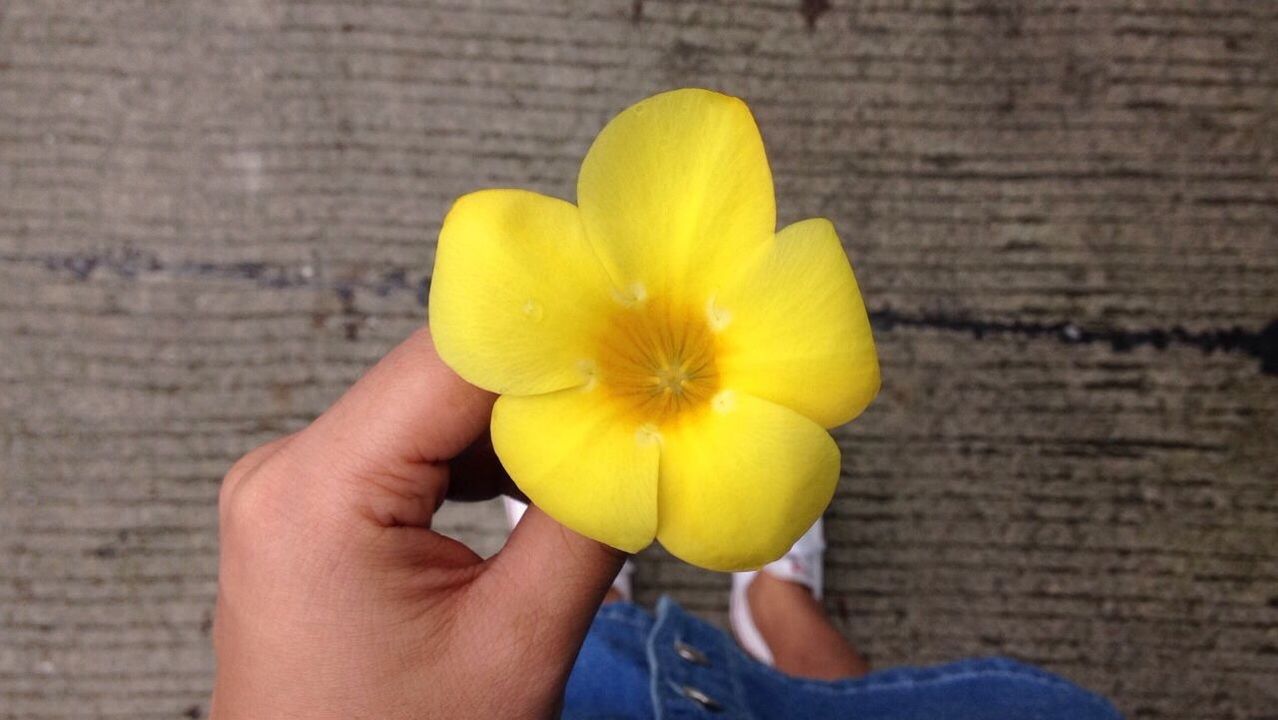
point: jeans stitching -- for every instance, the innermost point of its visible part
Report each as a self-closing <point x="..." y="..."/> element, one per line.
<point x="859" y="686"/>
<point x="623" y="618"/>
<point x="872" y="685"/>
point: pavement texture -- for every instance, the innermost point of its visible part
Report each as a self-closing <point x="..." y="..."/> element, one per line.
<point x="1063" y="215"/>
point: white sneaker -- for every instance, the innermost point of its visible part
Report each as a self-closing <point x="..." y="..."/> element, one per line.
<point x="623" y="583"/>
<point x="803" y="564"/>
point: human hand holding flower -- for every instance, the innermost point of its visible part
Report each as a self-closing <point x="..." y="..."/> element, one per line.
<point x="337" y="600"/>
<point x="668" y="363"/>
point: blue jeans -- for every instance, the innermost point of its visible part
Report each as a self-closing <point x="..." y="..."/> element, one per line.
<point x="672" y="665"/>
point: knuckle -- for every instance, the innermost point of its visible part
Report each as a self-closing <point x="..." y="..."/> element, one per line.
<point x="232" y="500"/>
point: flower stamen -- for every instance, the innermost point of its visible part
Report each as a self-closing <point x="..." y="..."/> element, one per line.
<point x="657" y="360"/>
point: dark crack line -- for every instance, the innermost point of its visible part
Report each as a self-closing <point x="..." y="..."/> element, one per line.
<point x="1261" y="344"/>
<point x="812" y="10"/>
<point x="130" y="264"/>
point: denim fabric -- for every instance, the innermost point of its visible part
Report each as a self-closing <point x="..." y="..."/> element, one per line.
<point x="630" y="667"/>
<point x="611" y="678"/>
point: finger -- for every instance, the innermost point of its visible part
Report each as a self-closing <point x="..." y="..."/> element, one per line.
<point x="388" y="439"/>
<point x="554" y="572"/>
<point x="410" y="408"/>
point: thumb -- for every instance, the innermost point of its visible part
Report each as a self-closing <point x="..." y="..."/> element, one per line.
<point x="558" y="574"/>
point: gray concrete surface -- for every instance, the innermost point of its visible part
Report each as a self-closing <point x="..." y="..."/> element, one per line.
<point x="1064" y="215"/>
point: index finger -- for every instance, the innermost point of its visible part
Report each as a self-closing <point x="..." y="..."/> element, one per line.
<point x="399" y="425"/>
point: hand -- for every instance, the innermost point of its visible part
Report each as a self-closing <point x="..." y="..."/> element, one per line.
<point x="337" y="600"/>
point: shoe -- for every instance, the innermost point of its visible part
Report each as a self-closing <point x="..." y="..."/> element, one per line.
<point x="623" y="583"/>
<point x="803" y="564"/>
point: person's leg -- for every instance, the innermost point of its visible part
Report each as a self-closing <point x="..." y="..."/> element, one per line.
<point x="777" y="616"/>
<point x="797" y="630"/>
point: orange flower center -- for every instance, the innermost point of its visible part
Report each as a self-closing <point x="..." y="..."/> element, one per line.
<point x="658" y="360"/>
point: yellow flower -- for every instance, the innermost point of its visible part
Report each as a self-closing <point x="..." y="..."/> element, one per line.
<point x="667" y="361"/>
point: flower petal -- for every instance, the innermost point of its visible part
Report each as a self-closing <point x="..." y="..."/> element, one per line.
<point x="741" y="481"/>
<point x="795" y="328"/>
<point x="676" y="191"/>
<point x="576" y="459"/>
<point x="516" y="292"/>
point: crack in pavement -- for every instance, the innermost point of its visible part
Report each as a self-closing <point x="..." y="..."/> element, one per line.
<point x="128" y="264"/>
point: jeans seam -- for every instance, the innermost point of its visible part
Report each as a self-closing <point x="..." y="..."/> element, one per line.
<point x="621" y="617"/>
<point x="848" y="687"/>
<point x="860" y="686"/>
